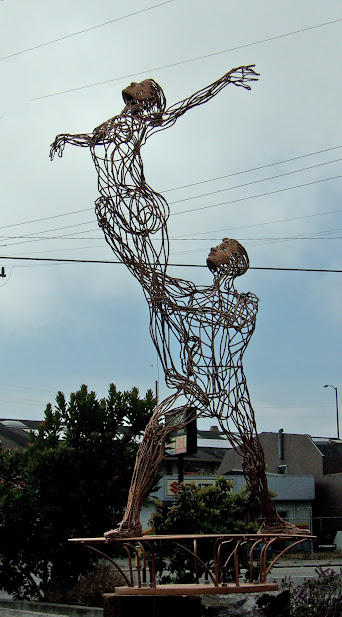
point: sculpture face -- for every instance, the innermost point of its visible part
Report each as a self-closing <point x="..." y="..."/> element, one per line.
<point x="229" y="258"/>
<point x="139" y="92"/>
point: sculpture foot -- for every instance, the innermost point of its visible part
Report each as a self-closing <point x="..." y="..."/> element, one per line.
<point x="280" y="526"/>
<point x="124" y="530"/>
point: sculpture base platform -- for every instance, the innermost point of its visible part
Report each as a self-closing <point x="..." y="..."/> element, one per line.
<point x="220" y="574"/>
<point x="195" y="590"/>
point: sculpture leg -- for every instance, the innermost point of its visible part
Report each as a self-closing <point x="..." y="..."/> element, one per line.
<point x="149" y="456"/>
<point x="254" y="467"/>
<point x="254" y="470"/>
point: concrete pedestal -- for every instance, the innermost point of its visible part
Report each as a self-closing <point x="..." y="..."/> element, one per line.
<point x="231" y="605"/>
<point x="151" y="606"/>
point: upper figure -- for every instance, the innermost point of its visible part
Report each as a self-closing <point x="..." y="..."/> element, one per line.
<point x="129" y="210"/>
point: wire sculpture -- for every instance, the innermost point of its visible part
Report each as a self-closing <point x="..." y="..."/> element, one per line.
<point x="200" y="333"/>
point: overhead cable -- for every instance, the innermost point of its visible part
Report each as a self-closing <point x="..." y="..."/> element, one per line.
<point x="166" y="66"/>
<point x="232" y="201"/>
<point x="177" y="187"/>
<point x="239" y="186"/>
<point x="69" y="36"/>
<point x="108" y="261"/>
<point x="245" y="171"/>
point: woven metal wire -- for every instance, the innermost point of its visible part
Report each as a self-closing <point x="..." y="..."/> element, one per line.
<point x="200" y="333"/>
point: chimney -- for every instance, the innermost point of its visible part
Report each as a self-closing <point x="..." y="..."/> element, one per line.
<point x="281" y="444"/>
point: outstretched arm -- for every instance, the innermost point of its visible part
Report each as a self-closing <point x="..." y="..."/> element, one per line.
<point x="75" y="140"/>
<point x="240" y="76"/>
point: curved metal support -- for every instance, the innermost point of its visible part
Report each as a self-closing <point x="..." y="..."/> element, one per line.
<point x="236" y="563"/>
<point x="96" y="550"/>
<point x="251" y="560"/>
<point x="196" y="561"/>
<point x="153" y="564"/>
<point x="137" y="557"/>
<point x="199" y="561"/>
<point x="263" y="560"/>
<point x="217" y="554"/>
<point x="283" y="553"/>
<point x="144" y="562"/>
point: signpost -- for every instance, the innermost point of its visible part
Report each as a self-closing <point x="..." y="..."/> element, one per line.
<point x="184" y="440"/>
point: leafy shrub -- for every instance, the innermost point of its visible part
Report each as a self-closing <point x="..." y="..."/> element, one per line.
<point x="208" y="510"/>
<point x="90" y="589"/>
<point x="321" y="597"/>
<point x="71" y="481"/>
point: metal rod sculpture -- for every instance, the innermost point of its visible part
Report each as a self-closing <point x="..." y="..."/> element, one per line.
<point x="200" y="333"/>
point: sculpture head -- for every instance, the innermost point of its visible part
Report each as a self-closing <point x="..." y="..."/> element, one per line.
<point x="146" y="94"/>
<point x="229" y="258"/>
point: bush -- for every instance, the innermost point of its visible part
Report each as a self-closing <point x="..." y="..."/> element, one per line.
<point x="90" y="589"/>
<point x="321" y="597"/>
<point x="208" y="510"/>
<point x="71" y="480"/>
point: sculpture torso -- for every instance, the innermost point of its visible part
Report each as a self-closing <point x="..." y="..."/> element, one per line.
<point x="132" y="203"/>
<point x="201" y="334"/>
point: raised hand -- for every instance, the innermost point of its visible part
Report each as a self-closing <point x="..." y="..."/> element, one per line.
<point x="58" y="146"/>
<point x="242" y="75"/>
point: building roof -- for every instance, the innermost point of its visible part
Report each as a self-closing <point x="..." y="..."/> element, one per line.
<point x="285" y="488"/>
<point x="14" y="434"/>
<point x="331" y="449"/>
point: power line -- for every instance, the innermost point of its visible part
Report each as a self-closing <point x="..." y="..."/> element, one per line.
<point x="179" y="201"/>
<point x="68" y="36"/>
<point x="267" y="238"/>
<point x="46" y="218"/>
<point x="294" y="218"/>
<point x="239" y="186"/>
<point x="178" y="187"/>
<point x="104" y="261"/>
<point x="166" y="66"/>
<point x="224" y="203"/>
<point x="245" y="171"/>
<point x="203" y="207"/>
<point x="5" y="385"/>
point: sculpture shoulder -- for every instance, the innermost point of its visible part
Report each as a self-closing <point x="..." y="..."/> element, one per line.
<point x="119" y="128"/>
<point x="248" y="298"/>
<point x="246" y="308"/>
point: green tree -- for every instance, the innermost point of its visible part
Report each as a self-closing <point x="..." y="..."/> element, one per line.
<point x="207" y="510"/>
<point x="71" y="480"/>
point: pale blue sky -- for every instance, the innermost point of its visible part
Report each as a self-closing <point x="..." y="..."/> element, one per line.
<point x="67" y="324"/>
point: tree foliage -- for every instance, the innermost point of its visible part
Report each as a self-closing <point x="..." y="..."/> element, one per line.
<point x="207" y="510"/>
<point x="71" y="480"/>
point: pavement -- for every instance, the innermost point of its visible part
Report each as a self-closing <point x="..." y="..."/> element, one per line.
<point x="333" y="562"/>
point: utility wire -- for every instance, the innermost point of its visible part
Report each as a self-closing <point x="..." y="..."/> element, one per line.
<point x="232" y="201"/>
<point x="182" y="200"/>
<point x="239" y="186"/>
<point x="255" y="239"/>
<point x="69" y="36"/>
<point x="104" y="261"/>
<point x="245" y="171"/>
<point x="205" y="207"/>
<point x="177" y="187"/>
<point x="166" y="66"/>
<point x="294" y="218"/>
